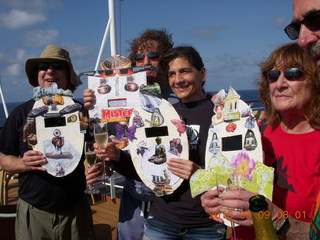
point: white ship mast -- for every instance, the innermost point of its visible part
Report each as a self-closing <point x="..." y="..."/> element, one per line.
<point x="110" y="28"/>
<point x="3" y="101"/>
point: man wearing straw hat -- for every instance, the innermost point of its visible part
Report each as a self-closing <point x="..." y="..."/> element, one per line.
<point x="49" y="207"/>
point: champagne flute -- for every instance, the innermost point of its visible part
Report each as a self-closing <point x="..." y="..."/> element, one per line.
<point x="100" y="131"/>
<point x="91" y="160"/>
<point x="224" y="181"/>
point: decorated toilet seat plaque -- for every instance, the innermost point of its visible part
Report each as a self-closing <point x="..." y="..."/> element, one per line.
<point x="117" y="92"/>
<point x="56" y="128"/>
<point x="159" y="136"/>
<point x="233" y="150"/>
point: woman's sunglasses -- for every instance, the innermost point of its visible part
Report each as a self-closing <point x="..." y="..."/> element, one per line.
<point x="290" y="74"/>
<point x="311" y="21"/>
<point x="151" y="55"/>
<point x="55" y="66"/>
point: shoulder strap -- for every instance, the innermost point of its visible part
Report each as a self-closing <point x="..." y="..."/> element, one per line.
<point x="263" y="125"/>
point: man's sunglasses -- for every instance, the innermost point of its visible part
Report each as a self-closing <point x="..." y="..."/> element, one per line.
<point x="55" y="66"/>
<point x="151" y="55"/>
<point x="290" y="74"/>
<point x="311" y="21"/>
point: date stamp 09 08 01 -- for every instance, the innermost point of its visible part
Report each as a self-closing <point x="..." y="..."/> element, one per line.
<point x="262" y="215"/>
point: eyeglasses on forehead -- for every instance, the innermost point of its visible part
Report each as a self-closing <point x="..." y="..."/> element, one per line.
<point x="311" y="21"/>
<point x="151" y="55"/>
<point x="56" y="66"/>
<point x="290" y="74"/>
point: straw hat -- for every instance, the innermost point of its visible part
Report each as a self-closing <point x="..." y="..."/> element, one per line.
<point x="51" y="53"/>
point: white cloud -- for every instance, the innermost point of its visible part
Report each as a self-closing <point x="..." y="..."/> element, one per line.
<point x="13" y="62"/>
<point x="83" y="57"/>
<point x="15" y="83"/>
<point x="208" y="32"/>
<point x="14" y="70"/>
<point x="78" y="51"/>
<point x="17" y="19"/>
<point x="281" y="22"/>
<point x="36" y="38"/>
<point x="21" y="54"/>
<point x="31" y="5"/>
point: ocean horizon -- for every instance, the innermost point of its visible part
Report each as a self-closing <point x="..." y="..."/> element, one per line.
<point x="246" y="95"/>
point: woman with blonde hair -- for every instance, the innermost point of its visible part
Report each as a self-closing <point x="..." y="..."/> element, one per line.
<point x="289" y="89"/>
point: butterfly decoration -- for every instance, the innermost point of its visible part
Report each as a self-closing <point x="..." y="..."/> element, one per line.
<point x="181" y="128"/>
<point x="124" y="131"/>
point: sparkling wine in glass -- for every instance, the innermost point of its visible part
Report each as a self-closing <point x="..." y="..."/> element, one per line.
<point x="225" y="181"/>
<point x="91" y="160"/>
<point x="100" y="132"/>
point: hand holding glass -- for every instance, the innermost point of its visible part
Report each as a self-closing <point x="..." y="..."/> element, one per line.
<point x="91" y="159"/>
<point x="100" y="131"/>
<point x="226" y="181"/>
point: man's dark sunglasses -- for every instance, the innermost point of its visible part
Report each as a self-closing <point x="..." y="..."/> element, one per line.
<point x="311" y="21"/>
<point x="290" y="74"/>
<point x="151" y="55"/>
<point x="55" y="66"/>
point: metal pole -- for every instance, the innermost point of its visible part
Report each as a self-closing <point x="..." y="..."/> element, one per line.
<point x="3" y="101"/>
<point x="113" y="42"/>
<point x="109" y="28"/>
<point x="113" y="50"/>
<point x="102" y="45"/>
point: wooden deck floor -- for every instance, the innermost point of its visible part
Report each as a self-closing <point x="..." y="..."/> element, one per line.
<point x="104" y="213"/>
<point x="105" y="217"/>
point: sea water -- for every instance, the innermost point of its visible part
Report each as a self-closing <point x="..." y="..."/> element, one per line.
<point x="246" y="95"/>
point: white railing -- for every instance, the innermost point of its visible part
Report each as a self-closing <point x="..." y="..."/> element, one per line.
<point x="110" y="28"/>
<point x="3" y="101"/>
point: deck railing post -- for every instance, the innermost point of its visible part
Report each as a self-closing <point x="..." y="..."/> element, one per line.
<point x="3" y="101"/>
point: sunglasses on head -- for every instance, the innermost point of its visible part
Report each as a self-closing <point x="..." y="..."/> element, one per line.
<point x="151" y="55"/>
<point x="311" y="21"/>
<point x="55" y="66"/>
<point x="290" y="74"/>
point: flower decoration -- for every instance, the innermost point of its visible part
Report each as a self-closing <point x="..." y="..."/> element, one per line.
<point x="231" y="127"/>
<point x="243" y="165"/>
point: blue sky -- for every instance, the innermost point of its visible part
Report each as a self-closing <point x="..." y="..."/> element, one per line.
<point x="232" y="36"/>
